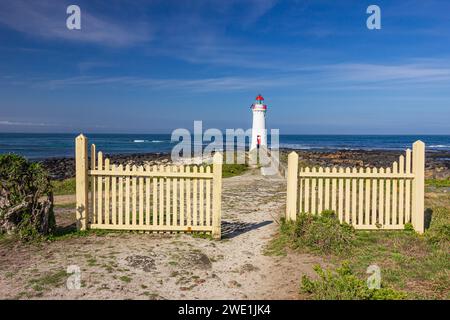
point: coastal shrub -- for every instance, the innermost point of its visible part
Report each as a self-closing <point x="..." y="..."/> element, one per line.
<point x="344" y="285"/>
<point x="320" y="233"/>
<point x="26" y="199"/>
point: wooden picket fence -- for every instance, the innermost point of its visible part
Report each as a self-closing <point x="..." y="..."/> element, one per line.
<point x="147" y="198"/>
<point x="385" y="198"/>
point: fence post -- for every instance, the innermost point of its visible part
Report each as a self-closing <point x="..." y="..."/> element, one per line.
<point x="418" y="216"/>
<point x="292" y="183"/>
<point x="82" y="185"/>
<point x="217" y="195"/>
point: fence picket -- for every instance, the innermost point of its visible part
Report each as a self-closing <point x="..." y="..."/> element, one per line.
<point x="194" y="197"/>
<point x="333" y="191"/>
<point x="107" y="187"/>
<point x="147" y="196"/>
<point x="188" y="200"/>
<point x="120" y="196"/>
<point x="201" y="199"/>
<point x="161" y="196"/>
<point x="313" y="193"/>
<point x="182" y="201"/>
<point x="320" y="193"/>
<point x="141" y="197"/>
<point x="100" y="189"/>
<point x="401" y="192"/>
<point x="408" y="188"/>
<point x="307" y="193"/>
<point x="113" y="196"/>
<point x="341" y="196"/>
<point x="347" y="198"/>
<point x="301" y="193"/>
<point x="367" y="200"/>
<point x="381" y="199"/>
<point x="134" y="196"/>
<point x="175" y="198"/>
<point x="394" y="212"/>
<point x="93" y="185"/>
<point x="361" y="199"/>
<point x="155" y="221"/>
<point x="208" y="198"/>
<point x="168" y="208"/>
<point x="373" y="220"/>
<point x="127" y="196"/>
<point x="327" y="191"/>
<point x="388" y="200"/>
<point x="354" y="199"/>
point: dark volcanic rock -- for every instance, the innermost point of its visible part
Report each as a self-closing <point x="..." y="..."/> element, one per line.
<point x="63" y="168"/>
<point x="437" y="164"/>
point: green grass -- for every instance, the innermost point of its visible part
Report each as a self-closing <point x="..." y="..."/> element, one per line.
<point x="48" y="280"/>
<point x="438" y="182"/>
<point x="343" y="284"/>
<point x="125" y="279"/>
<point x="65" y="205"/>
<point x="418" y="265"/>
<point x="64" y="187"/>
<point x="73" y="233"/>
<point x="231" y="170"/>
<point x="322" y="234"/>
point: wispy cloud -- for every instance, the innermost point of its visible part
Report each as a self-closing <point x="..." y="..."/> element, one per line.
<point x="47" y="19"/>
<point x="26" y="124"/>
<point x="343" y="76"/>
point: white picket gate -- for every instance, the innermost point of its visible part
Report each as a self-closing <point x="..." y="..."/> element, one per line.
<point x="147" y="198"/>
<point x="374" y="198"/>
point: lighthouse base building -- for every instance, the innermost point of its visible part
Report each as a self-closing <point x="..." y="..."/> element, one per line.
<point x="259" y="131"/>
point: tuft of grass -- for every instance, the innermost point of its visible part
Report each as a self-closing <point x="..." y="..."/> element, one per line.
<point x="69" y="205"/>
<point x="439" y="183"/>
<point x="321" y="233"/>
<point x="344" y="285"/>
<point x="231" y="170"/>
<point x="48" y="280"/>
<point x="125" y="279"/>
<point x="439" y="231"/>
<point x="65" y="234"/>
<point x="64" y="187"/>
<point x="201" y="235"/>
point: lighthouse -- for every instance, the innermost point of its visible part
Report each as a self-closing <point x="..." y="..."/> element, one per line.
<point x="259" y="132"/>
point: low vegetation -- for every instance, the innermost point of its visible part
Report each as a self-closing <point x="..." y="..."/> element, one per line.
<point x="417" y="266"/>
<point x="343" y="284"/>
<point x="438" y="182"/>
<point x="64" y="187"/>
<point x="231" y="170"/>
<point x="322" y="234"/>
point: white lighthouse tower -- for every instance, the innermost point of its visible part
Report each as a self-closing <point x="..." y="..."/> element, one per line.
<point x="259" y="132"/>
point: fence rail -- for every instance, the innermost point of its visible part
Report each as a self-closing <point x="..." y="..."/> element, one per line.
<point x="371" y="198"/>
<point x="147" y="198"/>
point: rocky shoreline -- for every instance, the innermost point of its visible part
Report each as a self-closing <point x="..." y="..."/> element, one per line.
<point x="437" y="163"/>
<point x="64" y="168"/>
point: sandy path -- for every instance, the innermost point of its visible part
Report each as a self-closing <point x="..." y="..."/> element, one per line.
<point x="143" y="266"/>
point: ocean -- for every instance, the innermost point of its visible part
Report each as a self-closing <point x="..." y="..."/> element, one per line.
<point x="40" y="146"/>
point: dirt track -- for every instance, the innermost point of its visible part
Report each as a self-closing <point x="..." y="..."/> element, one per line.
<point x="146" y="266"/>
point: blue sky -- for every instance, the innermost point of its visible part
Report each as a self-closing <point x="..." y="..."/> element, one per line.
<point x="153" y="66"/>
